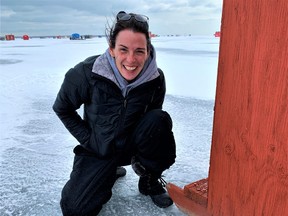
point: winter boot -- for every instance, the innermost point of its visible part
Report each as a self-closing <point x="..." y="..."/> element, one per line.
<point x="120" y="172"/>
<point x="151" y="184"/>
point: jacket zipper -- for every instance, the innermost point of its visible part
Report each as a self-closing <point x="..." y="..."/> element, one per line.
<point x="152" y="98"/>
<point x="122" y="115"/>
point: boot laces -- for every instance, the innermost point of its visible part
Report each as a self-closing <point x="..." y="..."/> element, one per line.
<point x="155" y="185"/>
<point x="162" y="181"/>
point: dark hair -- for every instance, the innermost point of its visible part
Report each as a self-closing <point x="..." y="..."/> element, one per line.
<point x="132" y="24"/>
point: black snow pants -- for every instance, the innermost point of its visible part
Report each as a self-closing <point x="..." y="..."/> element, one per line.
<point x="91" y="180"/>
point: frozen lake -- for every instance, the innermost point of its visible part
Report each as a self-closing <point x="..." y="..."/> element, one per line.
<point x="36" y="150"/>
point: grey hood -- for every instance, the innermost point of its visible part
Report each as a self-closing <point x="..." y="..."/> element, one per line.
<point x="105" y="66"/>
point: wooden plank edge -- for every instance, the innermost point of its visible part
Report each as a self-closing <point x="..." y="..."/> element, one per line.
<point x="184" y="203"/>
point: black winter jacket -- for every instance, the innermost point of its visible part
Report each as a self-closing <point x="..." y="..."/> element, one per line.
<point x="108" y="116"/>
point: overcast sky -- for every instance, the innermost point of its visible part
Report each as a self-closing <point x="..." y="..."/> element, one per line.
<point x="63" y="17"/>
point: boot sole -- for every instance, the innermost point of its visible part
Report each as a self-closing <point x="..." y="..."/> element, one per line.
<point x="153" y="200"/>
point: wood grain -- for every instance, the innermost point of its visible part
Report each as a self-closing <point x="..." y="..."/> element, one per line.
<point x="249" y="156"/>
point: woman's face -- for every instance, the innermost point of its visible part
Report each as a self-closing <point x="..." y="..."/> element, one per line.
<point x="130" y="53"/>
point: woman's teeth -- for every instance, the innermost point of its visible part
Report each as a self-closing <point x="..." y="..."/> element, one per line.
<point x="130" y="68"/>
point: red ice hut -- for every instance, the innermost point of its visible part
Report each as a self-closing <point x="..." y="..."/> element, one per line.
<point x="9" y="37"/>
<point x="248" y="172"/>
<point x="25" y="37"/>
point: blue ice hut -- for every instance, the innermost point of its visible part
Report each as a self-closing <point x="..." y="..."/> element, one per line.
<point x="75" y="36"/>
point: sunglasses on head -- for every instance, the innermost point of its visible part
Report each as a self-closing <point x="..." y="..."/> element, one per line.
<point x="122" y="16"/>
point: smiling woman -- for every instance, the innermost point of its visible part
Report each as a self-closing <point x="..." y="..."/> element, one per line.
<point x="122" y="91"/>
<point x="130" y="54"/>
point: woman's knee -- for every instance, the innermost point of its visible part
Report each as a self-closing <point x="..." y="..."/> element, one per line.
<point x="154" y="134"/>
<point x="89" y="187"/>
<point x="70" y="206"/>
<point x="158" y="117"/>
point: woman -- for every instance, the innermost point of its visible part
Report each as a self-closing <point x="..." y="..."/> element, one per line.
<point x="123" y="122"/>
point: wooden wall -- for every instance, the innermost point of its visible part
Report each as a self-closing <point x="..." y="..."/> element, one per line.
<point x="249" y="156"/>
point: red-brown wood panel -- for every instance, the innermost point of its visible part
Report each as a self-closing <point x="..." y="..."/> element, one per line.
<point x="249" y="156"/>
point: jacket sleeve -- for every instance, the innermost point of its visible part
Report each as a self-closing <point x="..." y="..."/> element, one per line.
<point x="160" y="92"/>
<point x="72" y="94"/>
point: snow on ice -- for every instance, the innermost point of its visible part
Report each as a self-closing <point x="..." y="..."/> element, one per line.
<point x="36" y="150"/>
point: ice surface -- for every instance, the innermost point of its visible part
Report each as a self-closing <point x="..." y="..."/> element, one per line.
<point x="36" y="150"/>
